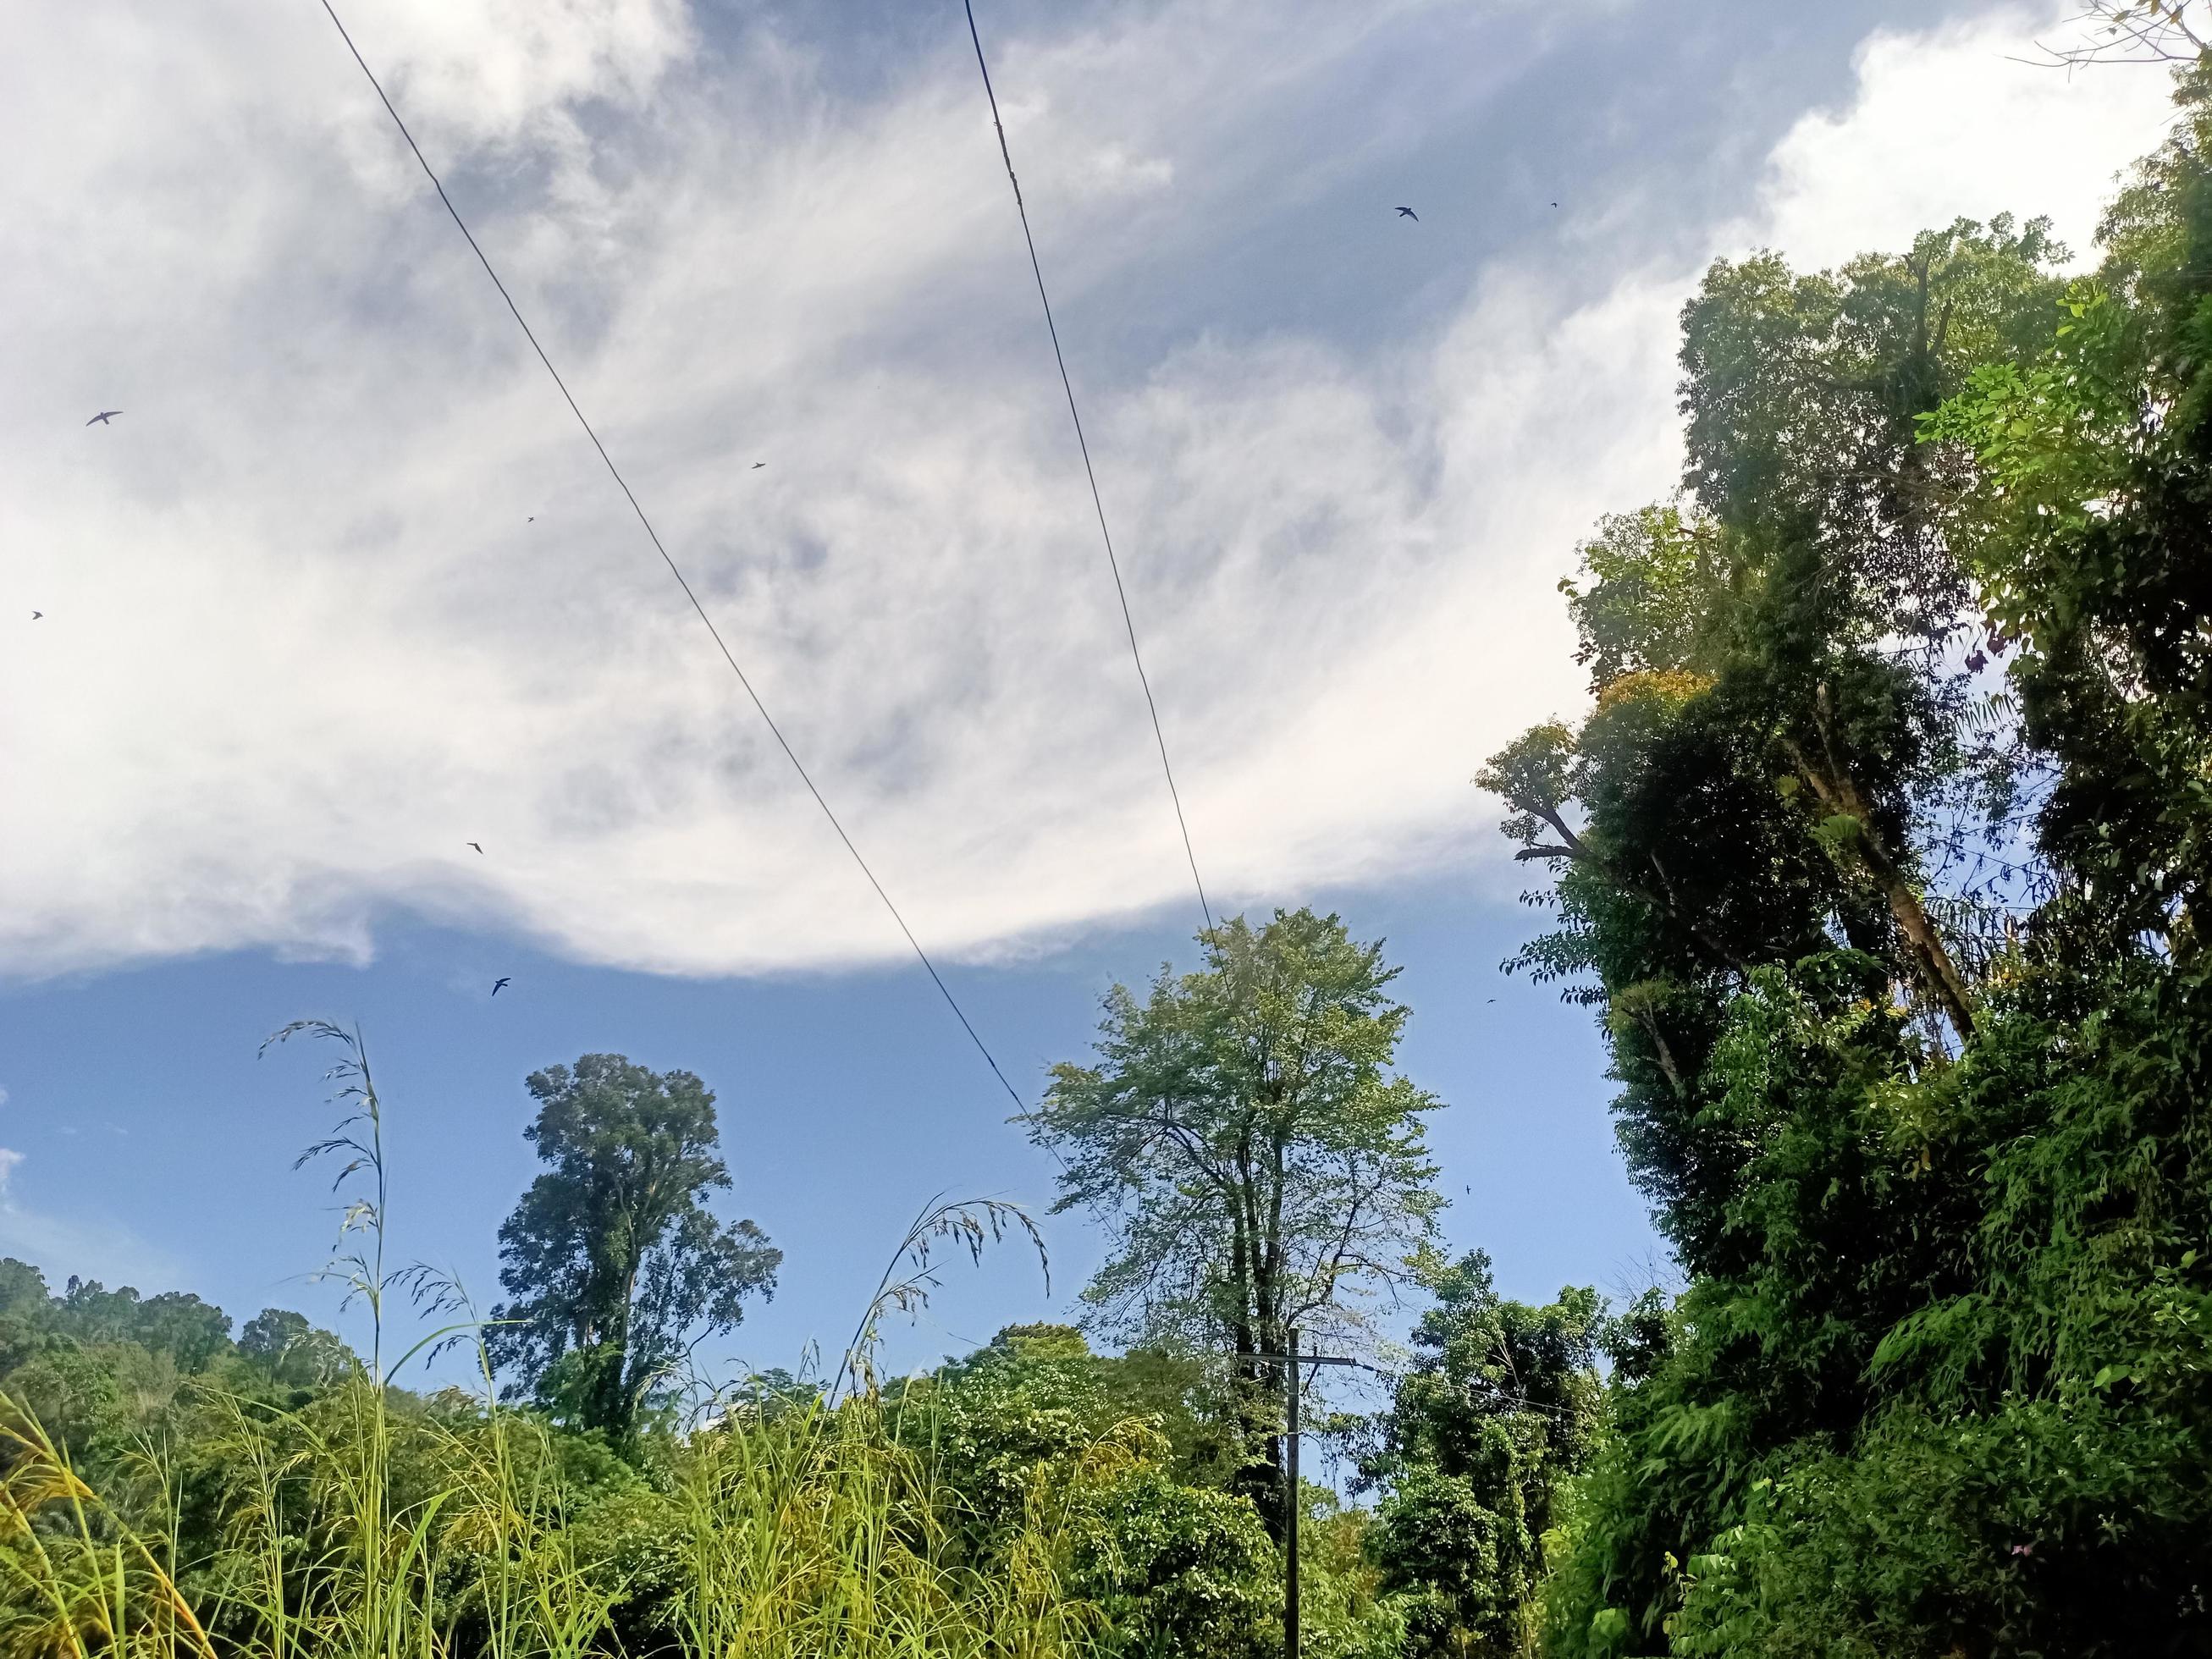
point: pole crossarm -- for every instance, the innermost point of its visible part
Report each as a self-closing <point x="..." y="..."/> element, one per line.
<point x="1291" y="1362"/>
<point x="1316" y="1359"/>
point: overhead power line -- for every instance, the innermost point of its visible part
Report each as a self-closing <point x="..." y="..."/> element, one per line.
<point x="1083" y="444"/>
<point x="790" y="754"/>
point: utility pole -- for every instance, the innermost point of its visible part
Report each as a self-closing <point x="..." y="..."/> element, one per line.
<point x="1291" y="1506"/>
<point x="1289" y="1362"/>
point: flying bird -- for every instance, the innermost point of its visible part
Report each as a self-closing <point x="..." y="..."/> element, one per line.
<point x="497" y="984"/>
<point x="35" y="615"/>
<point x="1408" y="213"/>
<point x="1555" y="204"/>
<point x="757" y="465"/>
<point x="103" y="417"/>
<point x="533" y="519"/>
<point x="479" y="849"/>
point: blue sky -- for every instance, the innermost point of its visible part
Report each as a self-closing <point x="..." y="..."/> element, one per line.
<point x="343" y="589"/>
<point x="158" y="1149"/>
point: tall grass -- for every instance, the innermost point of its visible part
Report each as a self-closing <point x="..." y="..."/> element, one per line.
<point x="817" y="1535"/>
<point x="362" y="1525"/>
<point x="76" y="1579"/>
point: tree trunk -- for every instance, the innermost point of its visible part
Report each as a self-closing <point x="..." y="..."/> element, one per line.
<point x="1930" y="960"/>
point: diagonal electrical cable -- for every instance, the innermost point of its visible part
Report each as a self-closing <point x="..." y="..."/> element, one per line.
<point x="1083" y="444"/>
<point x="790" y="754"/>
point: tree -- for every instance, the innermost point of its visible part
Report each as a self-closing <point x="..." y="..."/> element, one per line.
<point x="1500" y="1412"/>
<point x="1036" y="1393"/>
<point x="23" y="1292"/>
<point x="190" y="1331"/>
<point x="617" y="1268"/>
<point x="1123" y="1446"/>
<point x="1258" y="1165"/>
<point x="1742" y="829"/>
<point x="1781" y="731"/>
<point x="1912" y="1061"/>
<point x="291" y="1351"/>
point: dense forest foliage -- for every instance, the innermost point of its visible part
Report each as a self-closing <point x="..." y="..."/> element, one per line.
<point x="1881" y="854"/>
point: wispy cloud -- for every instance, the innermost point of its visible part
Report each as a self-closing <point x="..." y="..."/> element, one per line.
<point x="303" y="640"/>
<point x="1949" y="123"/>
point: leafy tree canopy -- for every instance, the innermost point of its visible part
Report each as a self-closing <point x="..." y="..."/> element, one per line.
<point x="1259" y="1163"/>
<point x="617" y="1266"/>
<point x="1883" y="853"/>
<point x="1501" y="1410"/>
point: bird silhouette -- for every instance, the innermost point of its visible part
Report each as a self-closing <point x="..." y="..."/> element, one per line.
<point x="1408" y="213"/>
<point x="479" y="849"/>
<point x="103" y="417"/>
<point x="35" y="615"/>
<point x="757" y="465"/>
<point x="497" y="984"/>
<point x="533" y="519"/>
<point x="1555" y="204"/>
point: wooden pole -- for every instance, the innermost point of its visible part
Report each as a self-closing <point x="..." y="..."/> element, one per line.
<point x="1290" y="1359"/>
<point x="1291" y="1497"/>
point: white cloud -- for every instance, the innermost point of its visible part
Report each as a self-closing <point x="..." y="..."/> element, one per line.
<point x="301" y="643"/>
<point x="1954" y="124"/>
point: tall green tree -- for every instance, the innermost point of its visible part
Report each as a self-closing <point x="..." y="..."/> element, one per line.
<point x="1257" y="1161"/>
<point x="617" y="1266"/>
<point x="1483" y="1436"/>
<point x="1741" y="830"/>
<point x="1779" y="732"/>
<point x="1882" y="852"/>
